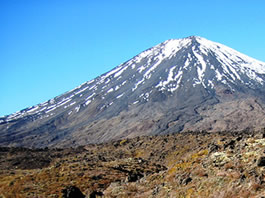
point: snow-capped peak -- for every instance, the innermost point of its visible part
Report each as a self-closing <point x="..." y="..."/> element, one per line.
<point x="228" y="65"/>
<point x="163" y="50"/>
<point x="155" y="88"/>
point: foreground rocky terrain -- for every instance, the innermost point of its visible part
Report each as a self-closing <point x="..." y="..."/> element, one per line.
<point x="190" y="164"/>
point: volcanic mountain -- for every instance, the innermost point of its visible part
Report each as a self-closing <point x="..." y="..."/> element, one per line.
<point x="178" y="85"/>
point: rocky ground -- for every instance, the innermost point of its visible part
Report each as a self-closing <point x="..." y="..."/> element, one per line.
<point x="187" y="164"/>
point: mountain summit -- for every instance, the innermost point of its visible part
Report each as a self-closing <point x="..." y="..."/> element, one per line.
<point x="178" y="85"/>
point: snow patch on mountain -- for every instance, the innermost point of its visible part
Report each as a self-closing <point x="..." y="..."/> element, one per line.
<point x="201" y="70"/>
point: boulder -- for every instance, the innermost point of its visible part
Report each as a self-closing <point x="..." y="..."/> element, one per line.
<point x="72" y="192"/>
<point x="261" y="161"/>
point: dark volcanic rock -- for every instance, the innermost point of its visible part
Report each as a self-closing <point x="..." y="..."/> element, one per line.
<point x="24" y="158"/>
<point x="134" y="176"/>
<point x="72" y="192"/>
<point x="230" y="144"/>
<point x="261" y="161"/>
<point x="95" y="194"/>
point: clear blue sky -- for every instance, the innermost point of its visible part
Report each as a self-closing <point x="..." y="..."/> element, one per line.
<point x="48" y="47"/>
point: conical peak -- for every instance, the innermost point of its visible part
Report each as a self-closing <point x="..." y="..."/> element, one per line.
<point x="210" y="61"/>
<point x="166" y="66"/>
<point x="197" y="40"/>
<point x="170" y="47"/>
<point x="186" y="42"/>
<point x="193" y="37"/>
<point x="199" y="48"/>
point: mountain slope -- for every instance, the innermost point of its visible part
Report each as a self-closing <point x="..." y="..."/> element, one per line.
<point x="183" y="84"/>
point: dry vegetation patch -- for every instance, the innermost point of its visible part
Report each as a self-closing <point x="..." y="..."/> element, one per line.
<point x="180" y="165"/>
